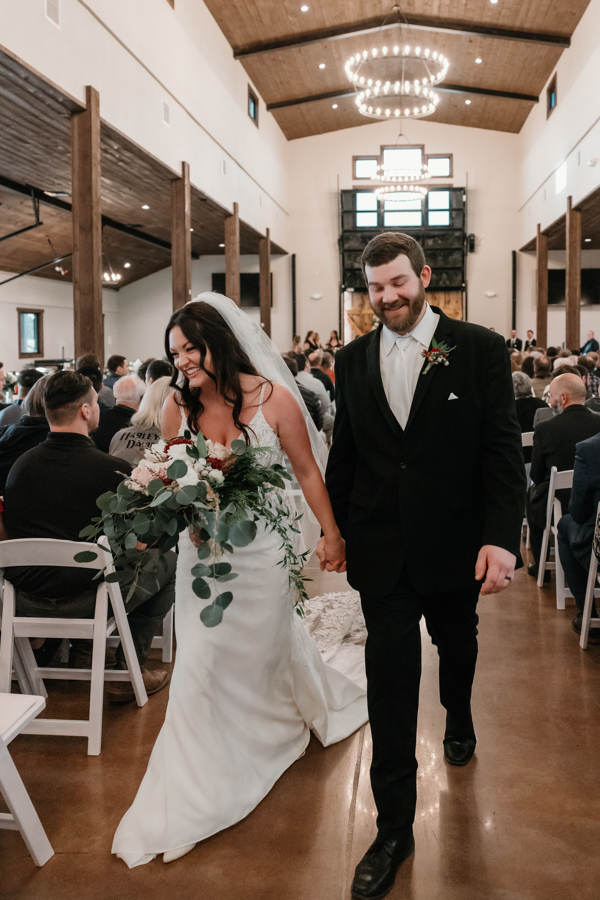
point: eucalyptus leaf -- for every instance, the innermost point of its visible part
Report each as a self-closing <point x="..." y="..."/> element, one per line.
<point x="211" y="615"/>
<point x="104" y="501"/>
<point x="88" y="531"/>
<point x="85" y="556"/>
<point x="201" y="445"/>
<point x="203" y="551"/>
<point x="243" y="533"/>
<point x="113" y="577"/>
<point x="186" y="495"/>
<point x="223" y="600"/>
<point x="201" y="588"/>
<point x="229" y="577"/>
<point x="192" y="451"/>
<point x="177" y="469"/>
<point x="221" y="569"/>
<point x="131" y="541"/>
<point x="155" y="486"/>
<point x="222" y="533"/>
<point x="238" y="447"/>
<point x="172" y="527"/>
<point x="161" y="498"/>
<point x="200" y="570"/>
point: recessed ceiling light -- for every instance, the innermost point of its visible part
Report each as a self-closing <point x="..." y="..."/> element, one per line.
<point x="221" y="245"/>
<point x="587" y="240"/>
<point x="321" y="65"/>
<point x="127" y="265"/>
<point x="468" y="102"/>
<point x="493" y="1"/>
<point x="145" y="206"/>
<point x="191" y="229"/>
<point x="304" y="9"/>
<point x="478" y="60"/>
<point x="334" y="106"/>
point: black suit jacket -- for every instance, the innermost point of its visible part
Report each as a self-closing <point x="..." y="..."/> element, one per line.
<point x="111" y="421"/>
<point x="518" y="344"/>
<point x="554" y="442"/>
<point x="431" y="495"/>
<point x="531" y="343"/>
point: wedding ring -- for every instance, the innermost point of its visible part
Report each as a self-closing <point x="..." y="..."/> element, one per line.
<point x="507" y="578"/>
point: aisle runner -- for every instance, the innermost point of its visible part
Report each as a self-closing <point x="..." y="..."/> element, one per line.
<point x="337" y="626"/>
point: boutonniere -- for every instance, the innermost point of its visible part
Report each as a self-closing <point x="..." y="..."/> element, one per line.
<point x="437" y="355"/>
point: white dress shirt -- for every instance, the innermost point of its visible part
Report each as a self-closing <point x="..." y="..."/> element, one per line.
<point x="401" y="362"/>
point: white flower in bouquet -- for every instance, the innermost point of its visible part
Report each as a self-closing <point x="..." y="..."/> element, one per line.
<point x="216" y="450"/>
<point x="216" y="476"/>
<point x="190" y="477"/>
<point x="179" y="451"/>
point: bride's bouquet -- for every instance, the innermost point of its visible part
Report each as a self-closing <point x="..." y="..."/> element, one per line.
<point x="203" y="487"/>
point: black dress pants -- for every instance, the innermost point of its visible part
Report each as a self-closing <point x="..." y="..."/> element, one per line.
<point x="393" y="661"/>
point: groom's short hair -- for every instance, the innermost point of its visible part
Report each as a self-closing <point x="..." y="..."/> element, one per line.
<point x="387" y="246"/>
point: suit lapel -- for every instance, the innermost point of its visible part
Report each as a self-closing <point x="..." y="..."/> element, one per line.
<point x="374" y="374"/>
<point x="443" y="332"/>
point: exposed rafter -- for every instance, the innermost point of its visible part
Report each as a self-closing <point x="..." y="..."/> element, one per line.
<point x="449" y="88"/>
<point x="421" y="23"/>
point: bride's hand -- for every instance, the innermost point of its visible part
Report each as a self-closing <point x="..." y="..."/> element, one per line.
<point x="195" y="537"/>
<point x="332" y="553"/>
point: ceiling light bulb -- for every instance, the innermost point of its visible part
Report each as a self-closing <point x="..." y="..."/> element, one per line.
<point x="334" y="106"/>
<point x="304" y="9"/>
<point x="321" y="65"/>
<point x="191" y="229"/>
<point x="587" y="240"/>
<point x="478" y="60"/>
<point x="145" y="206"/>
<point x="468" y="102"/>
<point x="493" y="1"/>
<point x="221" y="245"/>
<point x="127" y="265"/>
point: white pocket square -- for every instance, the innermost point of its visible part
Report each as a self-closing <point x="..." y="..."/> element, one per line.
<point x="452" y="397"/>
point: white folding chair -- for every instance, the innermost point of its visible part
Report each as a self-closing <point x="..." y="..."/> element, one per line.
<point x="17" y="711"/>
<point x="16" y="631"/>
<point x="558" y="481"/>
<point x="527" y="441"/>
<point x="591" y="593"/>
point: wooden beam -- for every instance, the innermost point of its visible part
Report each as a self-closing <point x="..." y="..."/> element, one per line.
<point x="181" y="238"/>
<point x="441" y="88"/>
<point x="264" y="260"/>
<point x="541" y="325"/>
<point x="422" y="23"/>
<point x="87" y="228"/>
<point x="573" y="277"/>
<point x="232" y="256"/>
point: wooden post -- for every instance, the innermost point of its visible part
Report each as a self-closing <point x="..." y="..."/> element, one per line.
<point x="181" y="238"/>
<point x="541" y="325"/>
<point x="264" y="262"/>
<point x="87" y="228"/>
<point x="232" y="256"/>
<point x="573" y="278"/>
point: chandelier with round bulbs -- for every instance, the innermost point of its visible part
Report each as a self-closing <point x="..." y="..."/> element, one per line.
<point x="387" y="189"/>
<point x="392" y="175"/>
<point x="397" y="82"/>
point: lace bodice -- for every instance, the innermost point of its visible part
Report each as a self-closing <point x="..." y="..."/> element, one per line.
<point x="260" y="432"/>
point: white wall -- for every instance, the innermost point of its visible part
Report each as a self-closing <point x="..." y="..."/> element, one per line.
<point x="140" y="53"/>
<point x="144" y="308"/>
<point x="56" y="299"/>
<point x="569" y="138"/>
<point x="485" y="161"/>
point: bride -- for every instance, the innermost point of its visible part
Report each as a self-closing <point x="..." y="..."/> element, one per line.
<point x="245" y="694"/>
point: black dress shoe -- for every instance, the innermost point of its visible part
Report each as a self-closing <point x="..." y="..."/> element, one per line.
<point x="376" y="872"/>
<point x="459" y="752"/>
<point x="593" y="633"/>
<point x="533" y="570"/>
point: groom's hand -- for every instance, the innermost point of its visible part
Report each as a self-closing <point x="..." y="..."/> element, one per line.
<point x="332" y="554"/>
<point x="497" y="566"/>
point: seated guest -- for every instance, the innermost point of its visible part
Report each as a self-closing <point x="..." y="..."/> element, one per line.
<point x="542" y="414"/>
<point x="516" y="360"/>
<point x="117" y="367"/>
<point x="313" y="384"/>
<point x="296" y="344"/>
<point x="128" y="392"/>
<point x="2" y="385"/>
<point x="552" y="352"/>
<point x="576" y="529"/>
<point x="554" y="444"/>
<point x="311" y="400"/>
<point x="106" y="398"/>
<point x="141" y="372"/>
<point x="526" y="405"/>
<point x="530" y="342"/>
<point x="592" y="379"/>
<point x="542" y="375"/>
<point x="314" y="360"/>
<point x="51" y="492"/>
<point x="527" y="366"/>
<point x="326" y="366"/>
<point x="591" y="345"/>
<point x="95" y="376"/>
<point x="25" y="381"/>
<point x="158" y="368"/>
<point x="311" y="342"/>
<point x="144" y="429"/>
<point x="334" y="343"/>
<point x="31" y="429"/>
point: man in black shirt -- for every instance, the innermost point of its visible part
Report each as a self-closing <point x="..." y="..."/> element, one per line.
<point x="51" y="492"/>
<point x="316" y="371"/>
<point x="128" y="392"/>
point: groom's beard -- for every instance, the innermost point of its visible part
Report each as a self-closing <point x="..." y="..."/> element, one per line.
<point x="404" y="322"/>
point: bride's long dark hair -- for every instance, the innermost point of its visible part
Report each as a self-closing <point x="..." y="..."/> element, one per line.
<point x="206" y="329"/>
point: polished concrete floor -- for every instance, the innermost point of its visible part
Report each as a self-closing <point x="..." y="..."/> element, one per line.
<point x="520" y="822"/>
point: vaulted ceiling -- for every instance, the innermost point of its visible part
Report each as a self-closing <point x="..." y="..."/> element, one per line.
<point x="282" y="47"/>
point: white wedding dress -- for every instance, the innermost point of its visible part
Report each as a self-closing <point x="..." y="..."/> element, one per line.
<point x="243" y="698"/>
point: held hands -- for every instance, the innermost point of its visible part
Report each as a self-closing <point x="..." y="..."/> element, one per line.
<point x="332" y="553"/>
<point x="497" y="565"/>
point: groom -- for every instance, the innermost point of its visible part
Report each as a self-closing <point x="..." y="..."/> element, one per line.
<point x="427" y="483"/>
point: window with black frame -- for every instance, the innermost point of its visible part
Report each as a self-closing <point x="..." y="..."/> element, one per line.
<point x="31" y="334"/>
